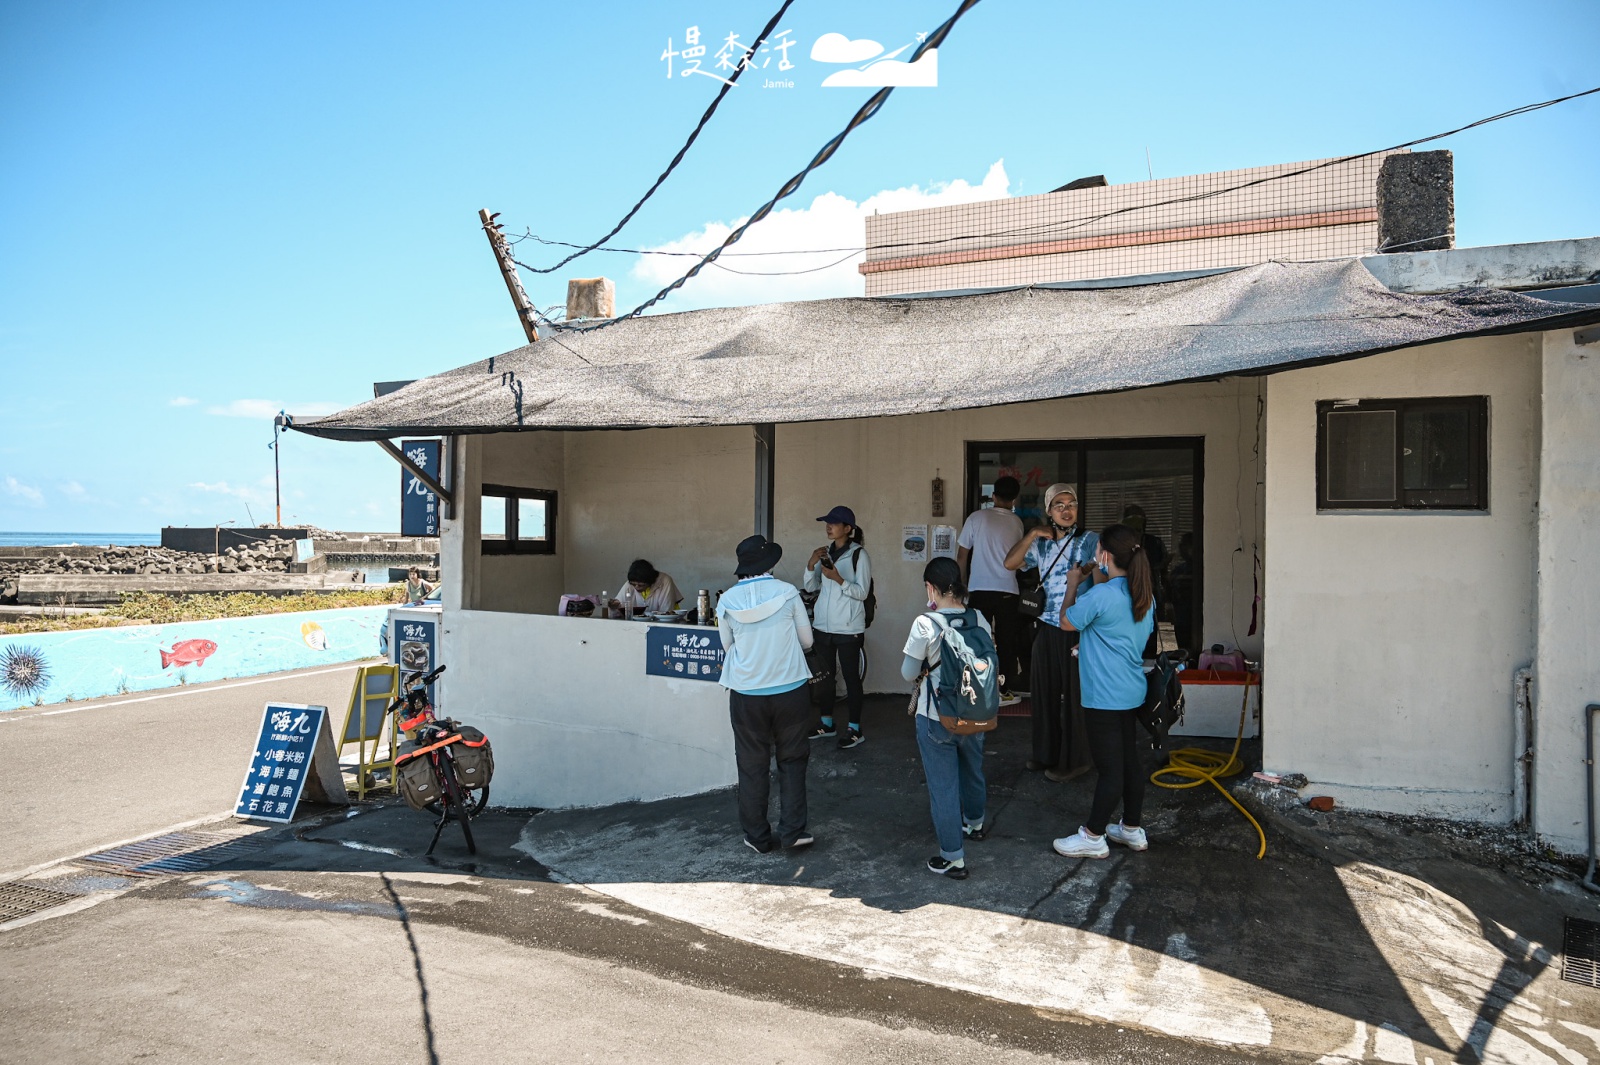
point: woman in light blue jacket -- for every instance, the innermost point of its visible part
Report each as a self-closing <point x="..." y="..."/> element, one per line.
<point x="765" y="635"/>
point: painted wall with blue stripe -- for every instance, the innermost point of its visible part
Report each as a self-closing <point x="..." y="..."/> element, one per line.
<point x="53" y="667"/>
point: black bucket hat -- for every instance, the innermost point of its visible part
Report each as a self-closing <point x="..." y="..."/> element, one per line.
<point x="757" y="555"/>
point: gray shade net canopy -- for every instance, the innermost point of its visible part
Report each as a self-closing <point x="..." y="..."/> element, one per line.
<point x="862" y="358"/>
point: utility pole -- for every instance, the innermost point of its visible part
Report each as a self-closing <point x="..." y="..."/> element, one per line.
<point x="508" y="270"/>
<point x="277" y="491"/>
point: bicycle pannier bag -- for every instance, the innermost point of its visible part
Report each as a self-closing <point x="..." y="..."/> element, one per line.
<point x="414" y="776"/>
<point x="474" y="758"/>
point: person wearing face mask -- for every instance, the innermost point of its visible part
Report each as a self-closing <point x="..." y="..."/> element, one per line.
<point x="953" y="764"/>
<point x="1055" y="549"/>
<point x="1115" y="616"/>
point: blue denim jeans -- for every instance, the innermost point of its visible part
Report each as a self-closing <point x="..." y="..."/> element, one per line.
<point x="956" y="789"/>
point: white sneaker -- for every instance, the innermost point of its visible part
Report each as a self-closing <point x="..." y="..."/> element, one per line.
<point x="1082" y="845"/>
<point x="1132" y="838"/>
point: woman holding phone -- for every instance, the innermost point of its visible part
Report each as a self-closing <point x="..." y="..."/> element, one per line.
<point x="841" y="574"/>
<point x="1115" y="616"/>
<point x="1055" y="549"/>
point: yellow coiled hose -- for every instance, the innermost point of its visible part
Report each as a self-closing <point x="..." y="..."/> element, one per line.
<point x="1193" y="766"/>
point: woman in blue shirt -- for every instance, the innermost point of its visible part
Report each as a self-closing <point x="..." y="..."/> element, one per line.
<point x="1114" y="618"/>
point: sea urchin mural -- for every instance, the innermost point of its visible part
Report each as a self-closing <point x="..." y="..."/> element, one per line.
<point x="24" y="671"/>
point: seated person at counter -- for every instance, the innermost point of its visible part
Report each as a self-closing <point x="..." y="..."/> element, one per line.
<point x="648" y="590"/>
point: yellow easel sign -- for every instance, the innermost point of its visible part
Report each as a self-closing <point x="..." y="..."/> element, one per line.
<point x="369" y="726"/>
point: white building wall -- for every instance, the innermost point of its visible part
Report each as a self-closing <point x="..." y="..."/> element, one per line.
<point x="1394" y="636"/>
<point x="1567" y="674"/>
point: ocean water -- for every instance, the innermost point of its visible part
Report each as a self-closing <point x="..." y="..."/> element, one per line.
<point x="97" y="539"/>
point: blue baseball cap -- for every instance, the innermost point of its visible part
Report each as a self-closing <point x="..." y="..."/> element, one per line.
<point x="840" y="516"/>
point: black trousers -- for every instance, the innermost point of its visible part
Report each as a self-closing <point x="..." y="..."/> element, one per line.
<point x="841" y="656"/>
<point x="1116" y="760"/>
<point x="1001" y="610"/>
<point x="1059" y="738"/>
<point x="763" y="724"/>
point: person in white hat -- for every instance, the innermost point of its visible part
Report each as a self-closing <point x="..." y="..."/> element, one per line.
<point x="1054" y="549"/>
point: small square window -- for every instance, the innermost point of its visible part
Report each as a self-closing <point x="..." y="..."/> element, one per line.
<point x="1403" y="454"/>
<point x="518" y="521"/>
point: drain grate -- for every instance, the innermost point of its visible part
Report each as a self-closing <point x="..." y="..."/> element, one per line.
<point x="18" y="899"/>
<point x="176" y="852"/>
<point x="1580" y="952"/>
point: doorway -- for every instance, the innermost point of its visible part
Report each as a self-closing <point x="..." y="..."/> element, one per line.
<point x="1161" y="478"/>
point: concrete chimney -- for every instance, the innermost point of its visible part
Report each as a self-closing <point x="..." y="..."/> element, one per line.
<point x="591" y="297"/>
<point x="1417" y="202"/>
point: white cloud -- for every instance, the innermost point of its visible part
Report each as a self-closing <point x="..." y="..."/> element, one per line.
<point x="73" y="490"/>
<point x="923" y="74"/>
<point x="831" y="221"/>
<point x="25" y="492"/>
<point x="267" y="409"/>
<point x="181" y="401"/>
<point x="837" y="48"/>
<point x="223" y="488"/>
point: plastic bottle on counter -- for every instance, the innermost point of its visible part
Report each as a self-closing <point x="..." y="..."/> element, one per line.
<point x="702" y="605"/>
<point x="603" y="610"/>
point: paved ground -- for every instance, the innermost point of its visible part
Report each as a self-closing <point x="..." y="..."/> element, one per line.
<point x="677" y="944"/>
<point x="78" y="776"/>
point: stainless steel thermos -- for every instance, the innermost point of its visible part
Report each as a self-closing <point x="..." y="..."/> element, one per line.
<point x="703" y="608"/>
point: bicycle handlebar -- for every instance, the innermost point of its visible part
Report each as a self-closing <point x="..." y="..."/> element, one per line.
<point x="419" y="677"/>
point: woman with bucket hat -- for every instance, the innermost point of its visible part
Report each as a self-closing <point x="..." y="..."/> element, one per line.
<point x="765" y="635"/>
<point x="1060" y="743"/>
<point x="841" y="574"/>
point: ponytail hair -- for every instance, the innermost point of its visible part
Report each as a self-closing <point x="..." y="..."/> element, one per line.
<point x="1126" y="549"/>
<point x="857" y="535"/>
<point x="945" y="576"/>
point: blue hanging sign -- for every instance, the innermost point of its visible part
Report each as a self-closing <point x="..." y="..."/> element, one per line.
<point x="282" y="762"/>
<point x="419" y="507"/>
<point x="685" y="653"/>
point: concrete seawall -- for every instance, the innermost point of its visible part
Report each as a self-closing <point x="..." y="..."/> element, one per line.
<point x="51" y="667"/>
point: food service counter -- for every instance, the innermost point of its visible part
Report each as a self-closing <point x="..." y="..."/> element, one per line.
<point x="586" y="712"/>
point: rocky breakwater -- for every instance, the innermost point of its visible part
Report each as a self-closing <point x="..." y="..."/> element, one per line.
<point x="99" y="577"/>
<point x="268" y="556"/>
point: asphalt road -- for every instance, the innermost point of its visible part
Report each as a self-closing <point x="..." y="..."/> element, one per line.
<point x="321" y="948"/>
<point x="81" y="776"/>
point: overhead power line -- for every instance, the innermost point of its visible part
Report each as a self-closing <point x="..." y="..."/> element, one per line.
<point x="1067" y="223"/>
<point x="865" y="113"/>
<point x="727" y="87"/>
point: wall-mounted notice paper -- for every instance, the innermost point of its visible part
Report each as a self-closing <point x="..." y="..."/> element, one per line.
<point x="913" y="543"/>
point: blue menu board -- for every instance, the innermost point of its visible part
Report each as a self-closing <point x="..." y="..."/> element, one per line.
<point x="282" y="761"/>
<point x="686" y="653"/>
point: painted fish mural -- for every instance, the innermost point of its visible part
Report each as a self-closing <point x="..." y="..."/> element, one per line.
<point x="39" y="669"/>
<point x="315" y="636"/>
<point x="188" y="653"/>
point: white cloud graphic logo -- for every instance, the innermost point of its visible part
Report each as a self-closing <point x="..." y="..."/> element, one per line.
<point x="837" y="48"/>
<point x="923" y="74"/>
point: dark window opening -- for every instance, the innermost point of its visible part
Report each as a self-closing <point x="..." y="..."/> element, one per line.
<point x="1164" y="478"/>
<point x="518" y="521"/>
<point x="1403" y="454"/>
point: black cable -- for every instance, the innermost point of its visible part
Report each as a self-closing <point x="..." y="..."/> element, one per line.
<point x="865" y="113"/>
<point x="727" y="87"/>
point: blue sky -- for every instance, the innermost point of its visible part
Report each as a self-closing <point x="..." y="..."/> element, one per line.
<point x="210" y="211"/>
